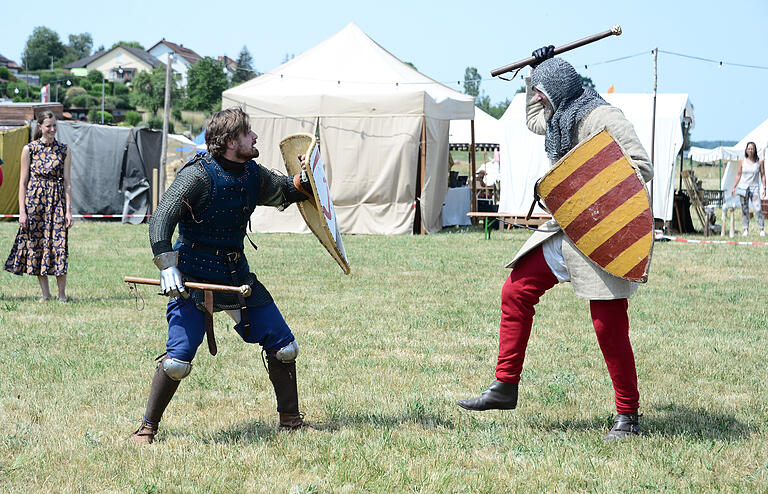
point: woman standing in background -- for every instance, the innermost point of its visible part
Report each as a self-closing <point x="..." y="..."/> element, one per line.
<point x="747" y="186"/>
<point x="45" y="198"/>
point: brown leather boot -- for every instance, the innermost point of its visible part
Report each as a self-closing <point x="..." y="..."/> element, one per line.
<point x="145" y="434"/>
<point x="160" y="394"/>
<point x="293" y="421"/>
<point x="283" y="377"/>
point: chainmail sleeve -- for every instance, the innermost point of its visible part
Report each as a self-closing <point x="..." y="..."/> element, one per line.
<point x="187" y="195"/>
<point x="277" y="189"/>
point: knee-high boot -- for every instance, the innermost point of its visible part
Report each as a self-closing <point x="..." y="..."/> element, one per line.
<point x="283" y="377"/>
<point x="163" y="389"/>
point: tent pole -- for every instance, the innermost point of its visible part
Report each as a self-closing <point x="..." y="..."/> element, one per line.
<point x="653" y="124"/>
<point x="422" y="173"/>
<point x="473" y="169"/>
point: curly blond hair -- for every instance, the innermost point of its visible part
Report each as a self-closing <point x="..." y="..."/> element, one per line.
<point x="225" y="126"/>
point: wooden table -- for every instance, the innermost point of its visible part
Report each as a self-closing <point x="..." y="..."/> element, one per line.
<point x="508" y="218"/>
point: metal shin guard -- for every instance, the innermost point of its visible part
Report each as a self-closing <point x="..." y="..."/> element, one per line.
<point x="163" y="388"/>
<point x="283" y="377"/>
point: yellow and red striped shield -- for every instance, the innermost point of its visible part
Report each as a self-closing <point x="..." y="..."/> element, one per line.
<point x="599" y="200"/>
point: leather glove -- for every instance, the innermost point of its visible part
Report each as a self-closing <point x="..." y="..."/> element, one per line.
<point x="542" y="54"/>
<point x="171" y="283"/>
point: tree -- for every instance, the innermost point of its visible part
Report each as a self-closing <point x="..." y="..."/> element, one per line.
<point x="245" y="71"/>
<point x="149" y="89"/>
<point x="472" y="82"/>
<point x="42" y="44"/>
<point x="586" y="82"/>
<point x="80" y="45"/>
<point x="95" y="76"/>
<point x="206" y="81"/>
<point x="133" y="44"/>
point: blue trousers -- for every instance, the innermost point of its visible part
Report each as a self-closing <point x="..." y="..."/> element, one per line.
<point x="186" y="328"/>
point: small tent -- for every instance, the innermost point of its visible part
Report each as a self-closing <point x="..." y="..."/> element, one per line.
<point x="525" y="161"/>
<point x="488" y="131"/>
<point x="111" y="168"/>
<point x="371" y="112"/>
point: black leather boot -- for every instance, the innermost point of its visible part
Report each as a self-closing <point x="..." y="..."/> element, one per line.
<point x="163" y="389"/>
<point x="283" y="377"/>
<point x="498" y="396"/>
<point x="625" y="425"/>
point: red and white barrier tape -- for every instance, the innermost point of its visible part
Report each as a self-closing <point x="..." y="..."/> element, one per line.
<point x="659" y="236"/>
<point x="92" y="215"/>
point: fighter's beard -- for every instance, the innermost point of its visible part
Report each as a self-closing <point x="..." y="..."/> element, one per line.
<point x="244" y="155"/>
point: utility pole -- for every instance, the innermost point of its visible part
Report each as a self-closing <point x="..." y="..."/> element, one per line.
<point x="166" y="115"/>
<point x="102" y="100"/>
<point x="653" y="126"/>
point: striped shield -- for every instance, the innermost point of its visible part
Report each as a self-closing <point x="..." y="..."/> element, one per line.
<point x="599" y="200"/>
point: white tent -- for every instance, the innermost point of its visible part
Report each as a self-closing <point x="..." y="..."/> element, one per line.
<point x="525" y="160"/>
<point x="488" y="130"/>
<point x="720" y="153"/>
<point x="370" y="110"/>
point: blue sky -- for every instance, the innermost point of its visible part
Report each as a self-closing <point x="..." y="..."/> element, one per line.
<point x="443" y="38"/>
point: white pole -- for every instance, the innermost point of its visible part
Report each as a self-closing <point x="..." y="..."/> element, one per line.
<point x="102" y="100"/>
<point x="166" y="115"/>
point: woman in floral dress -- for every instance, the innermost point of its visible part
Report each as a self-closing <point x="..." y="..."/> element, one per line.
<point x="45" y="197"/>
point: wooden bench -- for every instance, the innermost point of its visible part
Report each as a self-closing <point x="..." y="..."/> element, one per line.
<point x="509" y="219"/>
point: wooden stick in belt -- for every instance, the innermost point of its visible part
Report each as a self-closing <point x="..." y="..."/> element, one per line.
<point x="245" y="290"/>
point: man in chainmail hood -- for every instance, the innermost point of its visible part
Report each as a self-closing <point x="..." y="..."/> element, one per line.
<point x="567" y="114"/>
<point x="211" y="201"/>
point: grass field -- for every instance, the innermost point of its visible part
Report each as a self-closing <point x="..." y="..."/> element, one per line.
<point x="386" y="352"/>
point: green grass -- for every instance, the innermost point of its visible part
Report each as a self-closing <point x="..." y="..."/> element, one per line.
<point x="385" y="354"/>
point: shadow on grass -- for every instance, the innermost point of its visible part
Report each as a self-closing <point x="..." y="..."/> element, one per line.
<point x="247" y="432"/>
<point x="673" y="420"/>
<point x="670" y="420"/>
<point x="424" y="419"/>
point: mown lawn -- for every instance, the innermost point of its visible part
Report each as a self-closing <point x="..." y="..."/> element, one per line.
<point x="386" y="352"/>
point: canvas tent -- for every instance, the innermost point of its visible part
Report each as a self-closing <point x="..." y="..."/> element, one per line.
<point x="525" y="161"/>
<point x="111" y="168"/>
<point x="369" y="110"/>
<point x="12" y="141"/>
<point x="488" y="130"/>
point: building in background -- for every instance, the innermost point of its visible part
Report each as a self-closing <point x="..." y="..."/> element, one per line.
<point x="119" y="64"/>
<point x="183" y="58"/>
<point x="10" y="64"/>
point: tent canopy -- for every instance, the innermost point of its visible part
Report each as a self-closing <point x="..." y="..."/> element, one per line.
<point x="720" y="153"/>
<point x="348" y="74"/>
<point x="734" y="153"/>
<point x="525" y="161"/>
<point x="341" y="89"/>
<point x="488" y="130"/>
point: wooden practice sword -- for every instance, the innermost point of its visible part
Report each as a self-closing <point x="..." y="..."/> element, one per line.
<point x="615" y="30"/>
<point x="208" y="289"/>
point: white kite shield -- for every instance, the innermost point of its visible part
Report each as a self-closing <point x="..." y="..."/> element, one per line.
<point x="318" y="211"/>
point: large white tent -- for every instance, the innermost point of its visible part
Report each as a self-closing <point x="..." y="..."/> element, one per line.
<point x="370" y="111"/>
<point x="525" y="161"/>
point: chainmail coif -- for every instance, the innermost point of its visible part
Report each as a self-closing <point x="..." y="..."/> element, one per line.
<point x="570" y="101"/>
